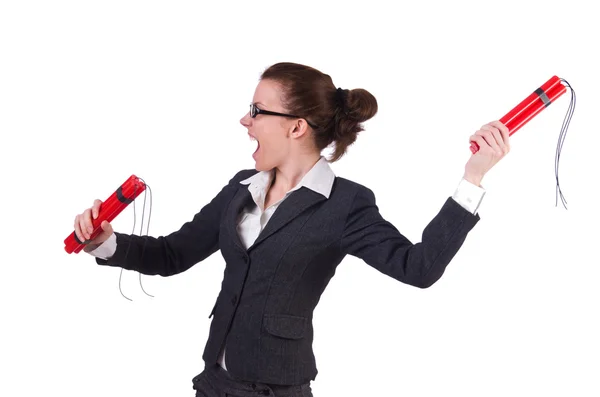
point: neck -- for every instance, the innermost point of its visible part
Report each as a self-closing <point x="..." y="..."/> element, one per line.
<point x="291" y="173"/>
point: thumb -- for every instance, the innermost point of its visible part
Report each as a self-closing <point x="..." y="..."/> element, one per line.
<point x="106" y="226"/>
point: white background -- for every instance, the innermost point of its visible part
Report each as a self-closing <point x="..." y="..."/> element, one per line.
<point x="92" y="92"/>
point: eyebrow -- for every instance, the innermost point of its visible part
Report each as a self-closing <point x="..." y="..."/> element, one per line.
<point x="260" y="103"/>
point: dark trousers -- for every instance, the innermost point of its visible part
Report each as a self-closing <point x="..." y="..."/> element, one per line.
<point x="214" y="381"/>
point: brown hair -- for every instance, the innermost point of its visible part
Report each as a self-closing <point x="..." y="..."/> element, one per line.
<point x="337" y="113"/>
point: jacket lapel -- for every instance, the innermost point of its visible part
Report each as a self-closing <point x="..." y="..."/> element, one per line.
<point x="297" y="202"/>
<point x="239" y="201"/>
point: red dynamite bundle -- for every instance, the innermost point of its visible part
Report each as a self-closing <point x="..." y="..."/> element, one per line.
<point x="537" y="101"/>
<point x="530" y="106"/>
<point x="117" y="202"/>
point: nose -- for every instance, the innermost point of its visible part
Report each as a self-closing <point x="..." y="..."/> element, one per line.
<point x="245" y="121"/>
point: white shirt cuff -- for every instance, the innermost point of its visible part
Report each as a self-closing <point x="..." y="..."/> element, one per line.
<point x="107" y="248"/>
<point x="469" y="196"/>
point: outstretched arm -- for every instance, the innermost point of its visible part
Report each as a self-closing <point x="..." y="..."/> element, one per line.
<point x="175" y="253"/>
<point x="369" y="236"/>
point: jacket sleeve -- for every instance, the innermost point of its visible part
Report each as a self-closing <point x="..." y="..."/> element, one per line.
<point x="368" y="236"/>
<point x="175" y="253"/>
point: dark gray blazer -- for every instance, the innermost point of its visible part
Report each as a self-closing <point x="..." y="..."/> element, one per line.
<point x="265" y="308"/>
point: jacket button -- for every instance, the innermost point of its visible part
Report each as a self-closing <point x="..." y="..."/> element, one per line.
<point x="234" y="300"/>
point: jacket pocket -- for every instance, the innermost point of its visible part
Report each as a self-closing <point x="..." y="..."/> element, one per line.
<point x="285" y="326"/>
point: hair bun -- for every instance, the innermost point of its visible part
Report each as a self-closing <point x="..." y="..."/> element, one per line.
<point x="361" y="104"/>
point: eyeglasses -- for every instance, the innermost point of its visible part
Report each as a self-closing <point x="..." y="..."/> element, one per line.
<point x="254" y="111"/>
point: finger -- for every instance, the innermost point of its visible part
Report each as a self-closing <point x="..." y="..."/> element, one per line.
<point x="483" y="145"/>
<point x="82" y="228"/>
<point x="106" y="226"/>
<point x="82" y="235"/>
<point x="96" y="208"/>
<point x="504" y="143"/>
<point x="502" y="137"/>
<point x="506" y="137"/>
<point x="493" y="137"/>
<point x="495" y="133"/>
<point x="503" y="128"/>
<point x="78" y="229"/>
<point x="487" y="136"/>
<point x="89" y="226"/>
<point x="83" y="224"/>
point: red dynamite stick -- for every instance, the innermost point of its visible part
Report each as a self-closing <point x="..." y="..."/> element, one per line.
<point x="520" y="120"/>
<point x="530" y="106"/>
<point x="530" y="100"/>
<point x="109" y="209"/>
<point x="534" y="103"/>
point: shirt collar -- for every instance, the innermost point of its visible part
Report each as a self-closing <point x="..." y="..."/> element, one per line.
<point x="320" y="179"/>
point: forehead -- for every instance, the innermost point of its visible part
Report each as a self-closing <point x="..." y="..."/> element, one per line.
<point x="268" y="93"/>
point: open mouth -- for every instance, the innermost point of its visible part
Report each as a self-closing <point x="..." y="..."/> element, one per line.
<point x="252" y="138"/>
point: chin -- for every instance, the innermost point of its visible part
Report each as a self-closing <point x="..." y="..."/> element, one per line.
<point x="259" y="167"/>
<point x="263" y="166"/>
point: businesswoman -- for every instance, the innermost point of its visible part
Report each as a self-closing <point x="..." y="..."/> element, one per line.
<point x="283" y="228"/>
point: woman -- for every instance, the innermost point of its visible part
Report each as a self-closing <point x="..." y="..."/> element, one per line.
<point x="284" y="226"/>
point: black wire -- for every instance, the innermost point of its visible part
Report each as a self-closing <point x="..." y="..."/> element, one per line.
<point x="141" y="232"/>
<point x="147" y="229"/>
<point x="561" y="138"/>
<point x="129" y="244"/>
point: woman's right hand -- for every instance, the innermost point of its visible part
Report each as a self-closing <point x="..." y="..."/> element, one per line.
<point x="84" y="228"/>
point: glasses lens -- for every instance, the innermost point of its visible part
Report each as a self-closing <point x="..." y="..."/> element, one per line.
<point x="252" y="110"/>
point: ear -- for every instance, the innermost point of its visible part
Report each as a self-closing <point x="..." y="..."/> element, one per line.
<point x="298" y="129"/>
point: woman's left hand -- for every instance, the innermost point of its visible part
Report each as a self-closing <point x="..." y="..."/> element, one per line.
<point x="493" y="140"/>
